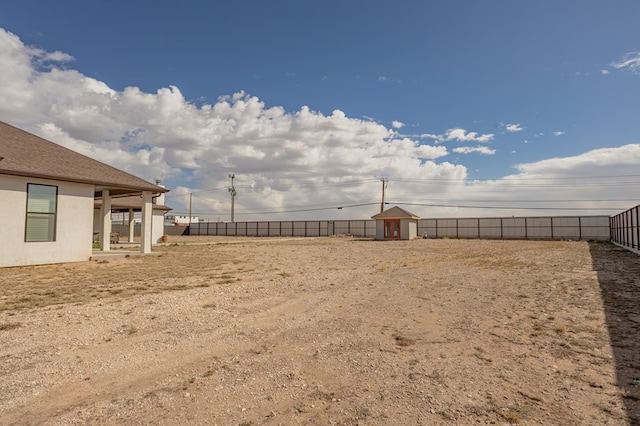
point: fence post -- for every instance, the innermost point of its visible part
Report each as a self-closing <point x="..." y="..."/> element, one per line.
<point x="580" y="227"/>
<point x="637" y="228"/>
<point x="629" y="224"/>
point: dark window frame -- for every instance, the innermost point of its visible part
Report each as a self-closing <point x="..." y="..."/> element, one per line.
<point x="39" y="214"/>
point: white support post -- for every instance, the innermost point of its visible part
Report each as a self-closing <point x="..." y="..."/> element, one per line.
<point x="146" y="232"/>
<point x="105" y="221"/>
<point x="132" y="225"/>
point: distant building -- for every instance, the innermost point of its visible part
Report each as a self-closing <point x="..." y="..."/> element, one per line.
<point x="181" y="220"/>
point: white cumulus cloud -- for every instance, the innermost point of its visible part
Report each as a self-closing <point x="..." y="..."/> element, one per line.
<point x="513" y="127"/>
<point x="281" y="159"/>
<point x="474" y="149"/>
<point x="459" y="135"/>
<point x="630" y="61"/>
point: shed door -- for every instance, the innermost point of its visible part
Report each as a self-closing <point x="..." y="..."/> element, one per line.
<point x="392" y="228"/>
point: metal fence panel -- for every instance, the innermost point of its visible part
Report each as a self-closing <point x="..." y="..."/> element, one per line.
<point x="262" y="229"/>
<point x="625" y="228"/>
<point x="299" y="229"/>
<point x="286" y="229"/>
<point x="468" y="228"/>
<point x="195" y="229"/>
<point x="314" y="228"/>
<point x="252" y="229"/>
<point x="595" y="233"/>
<point x="490" y="228"/>
<point x="341" y="227"/>
<point x="514" y="228"/>
<point x="324" y="230"/>
<point x="539" y="222"/>
<point x="594" y="221"/>
<point x="566" y="228"/>
<point x="274" y="229"/>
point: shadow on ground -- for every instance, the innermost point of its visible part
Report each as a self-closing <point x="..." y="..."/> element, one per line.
<point x="619" y="277"/>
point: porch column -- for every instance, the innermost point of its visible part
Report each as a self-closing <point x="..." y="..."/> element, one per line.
<point x="132" y="225"/>
<point x="105" y="221"/>
<point x="146" y="232"/>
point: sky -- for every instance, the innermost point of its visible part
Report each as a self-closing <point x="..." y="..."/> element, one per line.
<point x="458" y="108"/>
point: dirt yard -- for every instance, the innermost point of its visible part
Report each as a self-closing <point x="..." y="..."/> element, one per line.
<point x="326" y="331"/>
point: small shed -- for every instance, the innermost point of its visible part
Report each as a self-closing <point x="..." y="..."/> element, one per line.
<point x="396" y="224"/>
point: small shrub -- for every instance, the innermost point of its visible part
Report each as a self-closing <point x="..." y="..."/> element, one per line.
<point x="403" y="340"/>
<point x="10" y="326"/>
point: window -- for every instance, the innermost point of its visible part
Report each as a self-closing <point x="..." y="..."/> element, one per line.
<point x="41" y="213"/>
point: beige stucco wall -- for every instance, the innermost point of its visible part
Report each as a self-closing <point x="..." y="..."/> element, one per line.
<point x="379" y="229"/>
<point x="157" y="226"/>
<point x="73" y="227"/>
<point x="409" y="229"/>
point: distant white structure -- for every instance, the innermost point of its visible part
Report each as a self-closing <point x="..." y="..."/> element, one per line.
<point x="181" y="220"/>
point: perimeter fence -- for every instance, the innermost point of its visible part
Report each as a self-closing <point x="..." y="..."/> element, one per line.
<point x="538" y="228"/>
<point x="298" y="228"/>
<point x="625" y="229"/>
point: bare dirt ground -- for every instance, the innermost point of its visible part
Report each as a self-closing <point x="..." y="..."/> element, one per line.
<point x="326" y="331"/>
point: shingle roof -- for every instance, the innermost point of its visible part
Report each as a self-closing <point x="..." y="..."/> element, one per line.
<point x="395" y="213"/>
<point x="25" y="154"/>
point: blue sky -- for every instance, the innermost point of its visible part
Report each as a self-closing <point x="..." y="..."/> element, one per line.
<point x="458" y="103"/>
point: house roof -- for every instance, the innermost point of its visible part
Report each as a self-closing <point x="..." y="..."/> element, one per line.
<point x="25" y="154"/>
<point x="395" y="213"/>
<point x="130" y="202"/>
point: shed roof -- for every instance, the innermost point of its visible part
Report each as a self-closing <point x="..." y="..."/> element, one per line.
<point x="395" y="213"/>
<point x="25" y="154"/>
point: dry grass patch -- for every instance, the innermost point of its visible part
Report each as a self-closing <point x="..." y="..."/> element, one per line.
<point x="183" y="267"/>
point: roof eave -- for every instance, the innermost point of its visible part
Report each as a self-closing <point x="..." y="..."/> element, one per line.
<point x="107" y="185"/>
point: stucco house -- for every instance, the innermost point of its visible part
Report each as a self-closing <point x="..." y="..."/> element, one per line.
<point x="396" y="224"/>
<point x="47" y="195"/>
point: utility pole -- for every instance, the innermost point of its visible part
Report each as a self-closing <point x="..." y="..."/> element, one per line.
<point x="233" y="193"/>
<point x="384" y="186"/>
<point x="190" y="199"/>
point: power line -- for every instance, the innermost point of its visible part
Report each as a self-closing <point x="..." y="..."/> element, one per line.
<point x="521" y="181"/>
<point x="542" y="201"/>
<point x="515" y="177"/>
<point x="508" y="207"/>
<point x="339" y="207"/>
